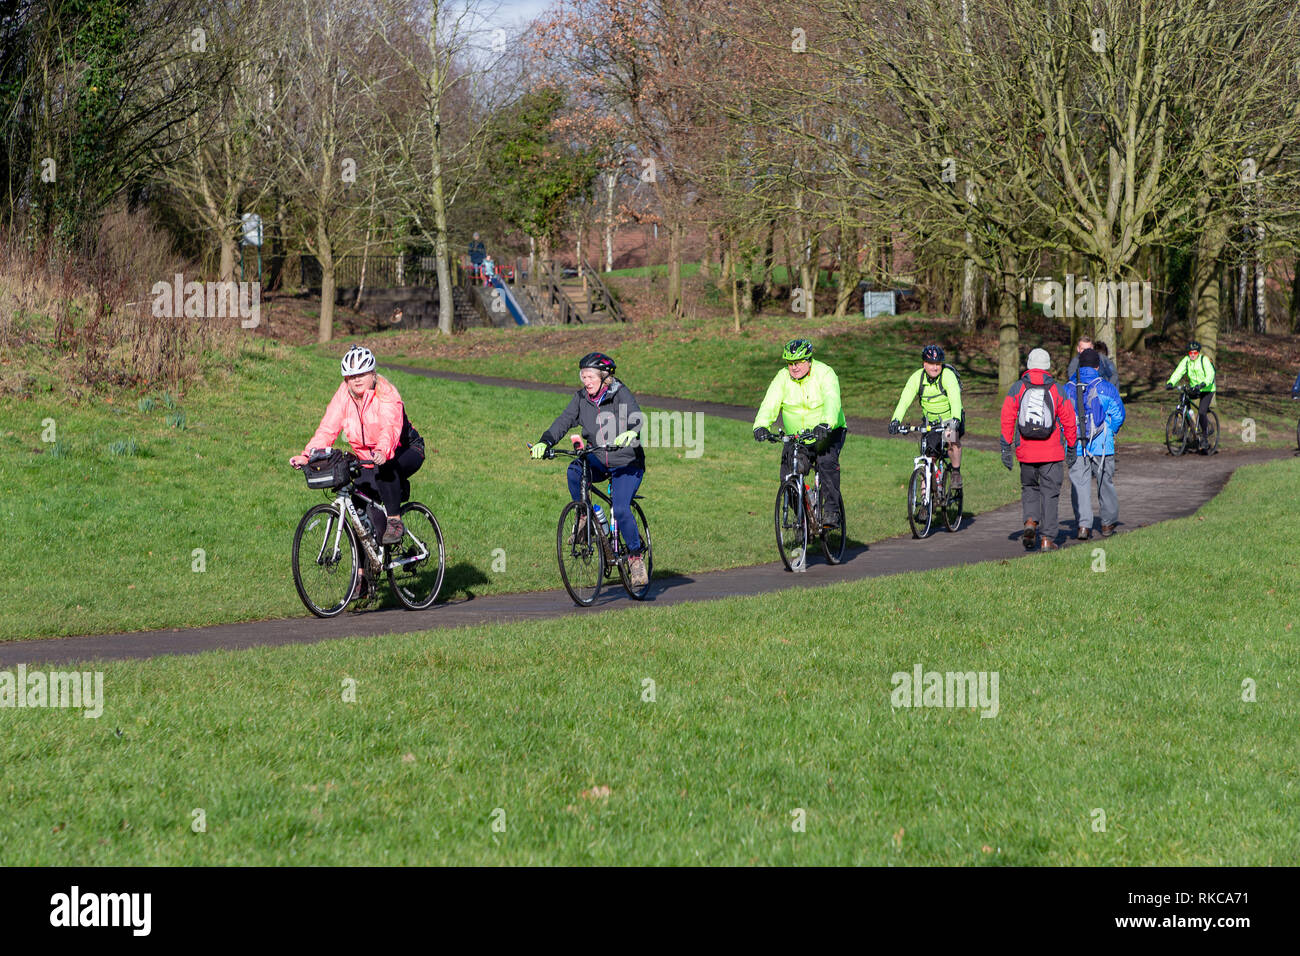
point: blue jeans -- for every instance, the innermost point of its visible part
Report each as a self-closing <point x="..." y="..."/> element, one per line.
<point x="626" y="481"/>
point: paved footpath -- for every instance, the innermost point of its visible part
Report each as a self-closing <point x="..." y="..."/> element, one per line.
<point x="1152" y="487"/>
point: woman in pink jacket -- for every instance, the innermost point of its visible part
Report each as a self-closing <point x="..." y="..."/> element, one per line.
<point x="369" y="412"/>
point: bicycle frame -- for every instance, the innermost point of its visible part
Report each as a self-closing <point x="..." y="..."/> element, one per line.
<point x="587" y="488"/>
<point x="374" y="551"/>
<point x="1190" y="413"/>
<point x="933" y="464"/>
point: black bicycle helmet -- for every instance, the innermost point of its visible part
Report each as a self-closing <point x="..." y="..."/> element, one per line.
<point x="597" y="360"/>
<point x="932" y="353"/>
<point x="1193" y="346"/>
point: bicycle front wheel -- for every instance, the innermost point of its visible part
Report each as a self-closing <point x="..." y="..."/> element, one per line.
<point x="920" y="514"/>
<point x="1176" y="433"/>
<point x="580" y="552"/>
<point x="1211" y="432"/>
<point x="325" y="561"/>
<point x="417" y="579"/>
<point x="791" y="525"/>
<point x="952" y="501"/>
<point x="647" y="555"/>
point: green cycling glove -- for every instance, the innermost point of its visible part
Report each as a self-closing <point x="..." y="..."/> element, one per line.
<point x="624" y="439"/>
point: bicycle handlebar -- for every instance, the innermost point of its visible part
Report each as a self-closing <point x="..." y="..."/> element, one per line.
<point x="574" y="452"/>
<point x="783" y="438"/>
<point x="908" y="429"/>
<point x="362" y="462"/>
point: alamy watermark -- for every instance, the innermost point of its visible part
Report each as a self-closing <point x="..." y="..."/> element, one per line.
<point x="655" y="430"/>
<point x="208" y="300"/>
<point x="80" y="689"/>
<point x="1085" y="299"/>
<point x="922" y="688"/>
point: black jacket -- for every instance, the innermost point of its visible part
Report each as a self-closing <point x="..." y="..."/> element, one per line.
<point x="618" y="412"/>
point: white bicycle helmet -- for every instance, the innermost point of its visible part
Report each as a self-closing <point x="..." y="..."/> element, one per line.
<point x="357" y="361"/>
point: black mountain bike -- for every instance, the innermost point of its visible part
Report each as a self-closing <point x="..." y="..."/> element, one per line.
<point x="1182" y="431"/>
<point x="930" y="490"/>
<point x="589" y="545"/>
<point x="798" y="515"/>
<point x="336" y="551"/>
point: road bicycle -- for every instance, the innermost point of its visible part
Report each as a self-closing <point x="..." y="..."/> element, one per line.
<point x="1182" y="431"/>
<point x="589" y="545"/>
<point x="337" y="552"/>
<point x="930" y="487"/>
<point x="798" y="515"/>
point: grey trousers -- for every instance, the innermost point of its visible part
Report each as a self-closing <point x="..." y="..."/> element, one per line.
<point x="1040" y="495"/>
<point x="1083" y="473"/>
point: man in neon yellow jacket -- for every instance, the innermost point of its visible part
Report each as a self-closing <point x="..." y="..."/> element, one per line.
<point x="1200" y="375"/>
<point x="940" y="392"/>
<point x="806" y="394"/>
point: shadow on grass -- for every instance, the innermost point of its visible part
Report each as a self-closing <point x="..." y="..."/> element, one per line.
<point x="460" y="579"/>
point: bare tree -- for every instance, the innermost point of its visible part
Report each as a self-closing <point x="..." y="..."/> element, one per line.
<point x="434" y="74"/>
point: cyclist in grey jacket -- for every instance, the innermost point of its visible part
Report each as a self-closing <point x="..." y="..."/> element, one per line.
<point x="608" y="414"/>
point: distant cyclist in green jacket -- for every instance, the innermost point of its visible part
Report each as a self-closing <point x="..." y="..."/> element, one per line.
<point x="1200" y="376"/>
<point x="940" y="392"/>
<point x="806" y="394"/>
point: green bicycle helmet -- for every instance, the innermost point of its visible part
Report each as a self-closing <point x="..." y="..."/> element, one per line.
<point x="796" y="350"/>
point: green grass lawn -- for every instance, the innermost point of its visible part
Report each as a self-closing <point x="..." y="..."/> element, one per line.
<point x="1120" y="691"/>
<point x="133" y="522"/>
<point x="705" y="359"/>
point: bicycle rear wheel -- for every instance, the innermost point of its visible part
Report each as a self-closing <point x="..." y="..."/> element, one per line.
<point x="417" y="583"/>
<point x="325" y="561"/>
<point x="952" y="500"/>
<point x="1176" y="433"/>
<point x="579" y="551"/>
<point x="791" y="525"/>
<point x="624" y="570"/>
<point x="920" y="513"/>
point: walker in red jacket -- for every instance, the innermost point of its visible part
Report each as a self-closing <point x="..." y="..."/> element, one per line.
<point x="1043" y="460"/>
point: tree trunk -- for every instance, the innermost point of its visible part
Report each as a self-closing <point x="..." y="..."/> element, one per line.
<point x="1261" y="300"/>
<point x="848" y="271"/>
<point x="1205" y="303"/>
<point x="769" y="256"/>
<point x="325" y="254"/>
<point x="730" y="256"/>
<point x="789" y="261"/>
<point x="228" y="254"/>
<point x="611" y="180"/>
<point x="727" y="272"/>
<point x="676" y="307"/>
<point x="1295" y="298"/>
<point x="812" y="262"/>
<point x="275" y="276"/>
<point x="1008" y="327"/>
<point x="747" y="283"/>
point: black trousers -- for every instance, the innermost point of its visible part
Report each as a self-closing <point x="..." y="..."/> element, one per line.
<point x="827" y="456"/>
<point x="389" y="481"/>
<point x="1201" y="418"/>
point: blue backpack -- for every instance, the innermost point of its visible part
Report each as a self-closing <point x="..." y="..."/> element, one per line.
<point x="1092" y="417"/>
<point x="1295" y="388"/>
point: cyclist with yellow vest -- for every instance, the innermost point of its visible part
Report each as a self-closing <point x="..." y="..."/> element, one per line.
<point x="940" y="392"/>
<point x="806" y="394"/>
<point x="1200" y="376"/>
